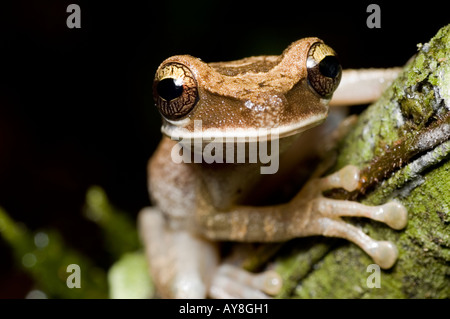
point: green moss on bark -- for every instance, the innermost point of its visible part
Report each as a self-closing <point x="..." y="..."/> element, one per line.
<point x="401" y="144"/>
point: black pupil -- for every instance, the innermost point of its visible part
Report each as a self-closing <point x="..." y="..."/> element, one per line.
<point x="168" y="89"/>
<point x="329" y="66"/>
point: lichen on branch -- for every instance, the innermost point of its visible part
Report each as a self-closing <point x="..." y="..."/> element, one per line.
<point x="401" y="143"/>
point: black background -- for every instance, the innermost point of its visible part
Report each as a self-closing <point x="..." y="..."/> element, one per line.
<point x="76" y="106"/>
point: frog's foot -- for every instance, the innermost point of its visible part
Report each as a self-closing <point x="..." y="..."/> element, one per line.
<point x="327" y="220"/>
<point x="231" y="282"/>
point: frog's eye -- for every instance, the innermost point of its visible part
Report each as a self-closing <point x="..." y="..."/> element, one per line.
<point x="175" y="90"/>
<point x="324" y="69"/>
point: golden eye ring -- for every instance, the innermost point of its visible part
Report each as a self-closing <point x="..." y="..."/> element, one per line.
<point x="324" y="69"/>
<point x="175" y="90"/>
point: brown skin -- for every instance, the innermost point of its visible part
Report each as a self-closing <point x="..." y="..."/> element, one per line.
<point x="203" y="203"/>
<point x="281" y="92"/>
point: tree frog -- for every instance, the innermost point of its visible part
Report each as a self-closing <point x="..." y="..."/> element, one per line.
<point x="200" y="203"/>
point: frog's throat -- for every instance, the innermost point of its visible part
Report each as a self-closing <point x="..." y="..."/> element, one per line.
<point x="177" y="132"/>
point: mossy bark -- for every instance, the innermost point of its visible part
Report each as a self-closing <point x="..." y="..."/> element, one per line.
<point x="402" y="145"/>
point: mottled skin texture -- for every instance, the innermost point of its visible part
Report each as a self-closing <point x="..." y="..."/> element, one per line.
<point x="200" y="204"/>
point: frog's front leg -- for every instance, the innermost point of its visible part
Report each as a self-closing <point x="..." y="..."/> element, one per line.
<point x="182" y="265"/>
<point x="308" y="214"/>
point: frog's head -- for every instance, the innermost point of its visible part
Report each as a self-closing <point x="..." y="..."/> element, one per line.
<point x="289" y="92"/>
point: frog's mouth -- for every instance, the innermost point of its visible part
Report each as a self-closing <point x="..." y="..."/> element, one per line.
<point x="178" y="131"/>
